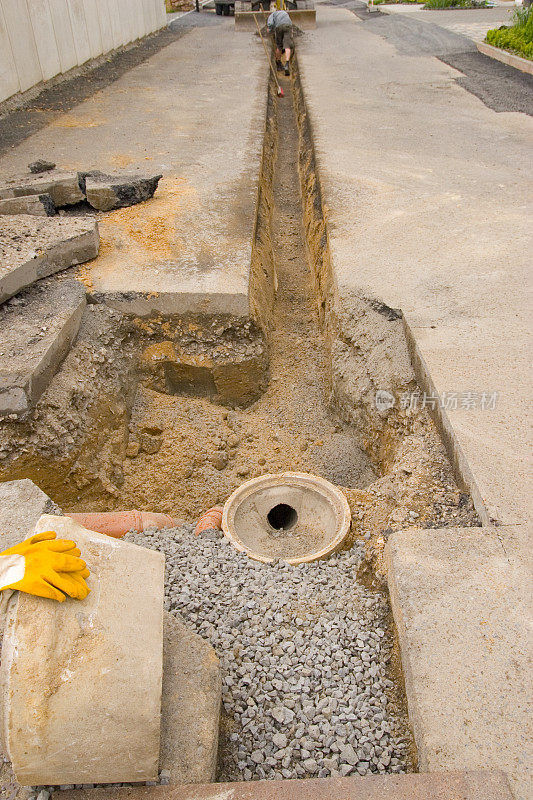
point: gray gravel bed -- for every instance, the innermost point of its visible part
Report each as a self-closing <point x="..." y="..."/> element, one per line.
<point x="303" y="652"/>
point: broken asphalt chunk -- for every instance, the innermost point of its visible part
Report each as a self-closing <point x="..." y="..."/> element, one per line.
<point x="107" y="192"/>
<point x="41" y="165"/>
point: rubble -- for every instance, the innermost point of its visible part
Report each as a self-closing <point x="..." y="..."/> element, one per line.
<point x="38" y="205"/>
<point x="65" y="188"/>
<point x="36" y="167"/>
<point x="304" y="654"/>
<point x="106" y="192"/>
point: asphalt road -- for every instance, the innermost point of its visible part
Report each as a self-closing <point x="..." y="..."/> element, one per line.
<point x="500" y="87"/>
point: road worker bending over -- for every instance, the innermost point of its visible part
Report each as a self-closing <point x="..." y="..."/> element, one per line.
<point x="46" y="567"/>
<point x="279" y="24"/>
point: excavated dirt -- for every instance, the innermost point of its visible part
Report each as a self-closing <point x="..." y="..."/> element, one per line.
<point x="109" y="434"/>
<point x="205" y="451"/>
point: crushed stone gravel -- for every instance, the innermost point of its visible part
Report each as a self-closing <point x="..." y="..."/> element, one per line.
<point x="303" y="651"/>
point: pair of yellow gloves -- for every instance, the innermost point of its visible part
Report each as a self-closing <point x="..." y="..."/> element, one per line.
<point x="46" y="567"/>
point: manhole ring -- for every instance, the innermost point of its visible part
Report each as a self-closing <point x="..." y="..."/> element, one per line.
<point x="292" y="515"/>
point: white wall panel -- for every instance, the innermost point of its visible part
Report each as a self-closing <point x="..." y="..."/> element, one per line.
<point x="105" y="25"/>
<point x="63" y="34"/>
<point x="93" y="28"/>
<point x="79" y="30"/>
<point x="9" y="79"/>
<point x="138" y="20"/>
<point x="160" y="14"/>
<point x="116" y="30"/>
<point x="146" y="13"/>
<point x="128" y="34"/>
<point x="150" y="15"/>
<point x="22" y="43"/>
<point x="41" y="38"/>
<point x="45" y="40"/>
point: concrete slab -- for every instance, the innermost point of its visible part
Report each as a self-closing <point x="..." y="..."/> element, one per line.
<point x="65" y="188"/>
<point x="443" y="786"/>
<point x="37" y="334"/>
<point x="38" y="205"/>
<point x="418" y="220"/>
<point x="35" y="247"/>
<point x="81" y="681"/>
<point x="22" y="504"/>
<point x="190" y="705"/>
<point x="461" y="600"/>
<point x="188" y="249"/>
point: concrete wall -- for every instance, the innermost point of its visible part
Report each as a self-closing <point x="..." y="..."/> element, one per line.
<point x="41" y="38"/>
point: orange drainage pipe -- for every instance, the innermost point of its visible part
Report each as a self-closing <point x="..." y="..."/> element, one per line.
<point x="209" y="519"/>
<point x="118" y="523"/>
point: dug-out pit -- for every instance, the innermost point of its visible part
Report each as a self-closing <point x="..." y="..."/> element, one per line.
<point x="174" y="414"/>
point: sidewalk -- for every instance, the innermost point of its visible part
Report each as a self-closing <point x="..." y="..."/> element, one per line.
<point x="427" y="196"/>
<point x="194" y="113"/>
<point x="473" y="23"/>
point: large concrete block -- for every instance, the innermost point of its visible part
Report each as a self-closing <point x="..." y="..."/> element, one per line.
<point x="22" y="504"/>
<point x="36" y="337"/>
<point x="81" y="681"/>
<point x="35" y="247"/>
<point x="106" y="192"/>
<point x="65" y="188"/>
<point x="190" y="707"/>
<point x="461" y="600"/>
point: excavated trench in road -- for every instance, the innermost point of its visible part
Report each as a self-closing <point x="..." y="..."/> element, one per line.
<point x="112" y="433"/>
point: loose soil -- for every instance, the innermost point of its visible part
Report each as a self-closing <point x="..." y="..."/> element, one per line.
<point x="207" y="451"/>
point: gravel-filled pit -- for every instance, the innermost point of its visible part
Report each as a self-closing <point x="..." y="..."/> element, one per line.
<point x="304" y="652"/>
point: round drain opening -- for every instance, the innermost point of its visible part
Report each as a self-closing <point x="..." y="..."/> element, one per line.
<point x="282" y="517"/>
<point x="292" y="516"/>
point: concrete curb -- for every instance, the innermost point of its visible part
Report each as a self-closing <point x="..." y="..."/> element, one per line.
<point x="460" y="601"/>
<point x="459" y="461"/>
<point x="464" y="785"/>
<point x="523" y="64"/>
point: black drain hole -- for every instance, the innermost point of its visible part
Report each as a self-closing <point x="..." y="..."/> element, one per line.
<point x="282" y="516"/>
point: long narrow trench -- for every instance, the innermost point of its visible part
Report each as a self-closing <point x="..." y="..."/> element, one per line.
<point x="298" y="391"/>
<point x="306" y="652"/>
<point x="207" y="451"/>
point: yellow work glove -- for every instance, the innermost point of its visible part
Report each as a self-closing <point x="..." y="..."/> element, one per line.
<point x="51" y="568"/>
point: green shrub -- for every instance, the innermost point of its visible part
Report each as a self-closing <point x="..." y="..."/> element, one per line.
<point x="455" y="4"/>
<point x="518" y="38"/>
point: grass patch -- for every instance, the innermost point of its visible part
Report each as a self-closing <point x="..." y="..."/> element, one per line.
<point x="518" y="37"/>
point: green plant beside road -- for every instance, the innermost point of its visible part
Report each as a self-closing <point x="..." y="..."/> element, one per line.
<point x="518" y="38"/>
<point x="455" y="4"/>
<point x="408" y="2"/>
